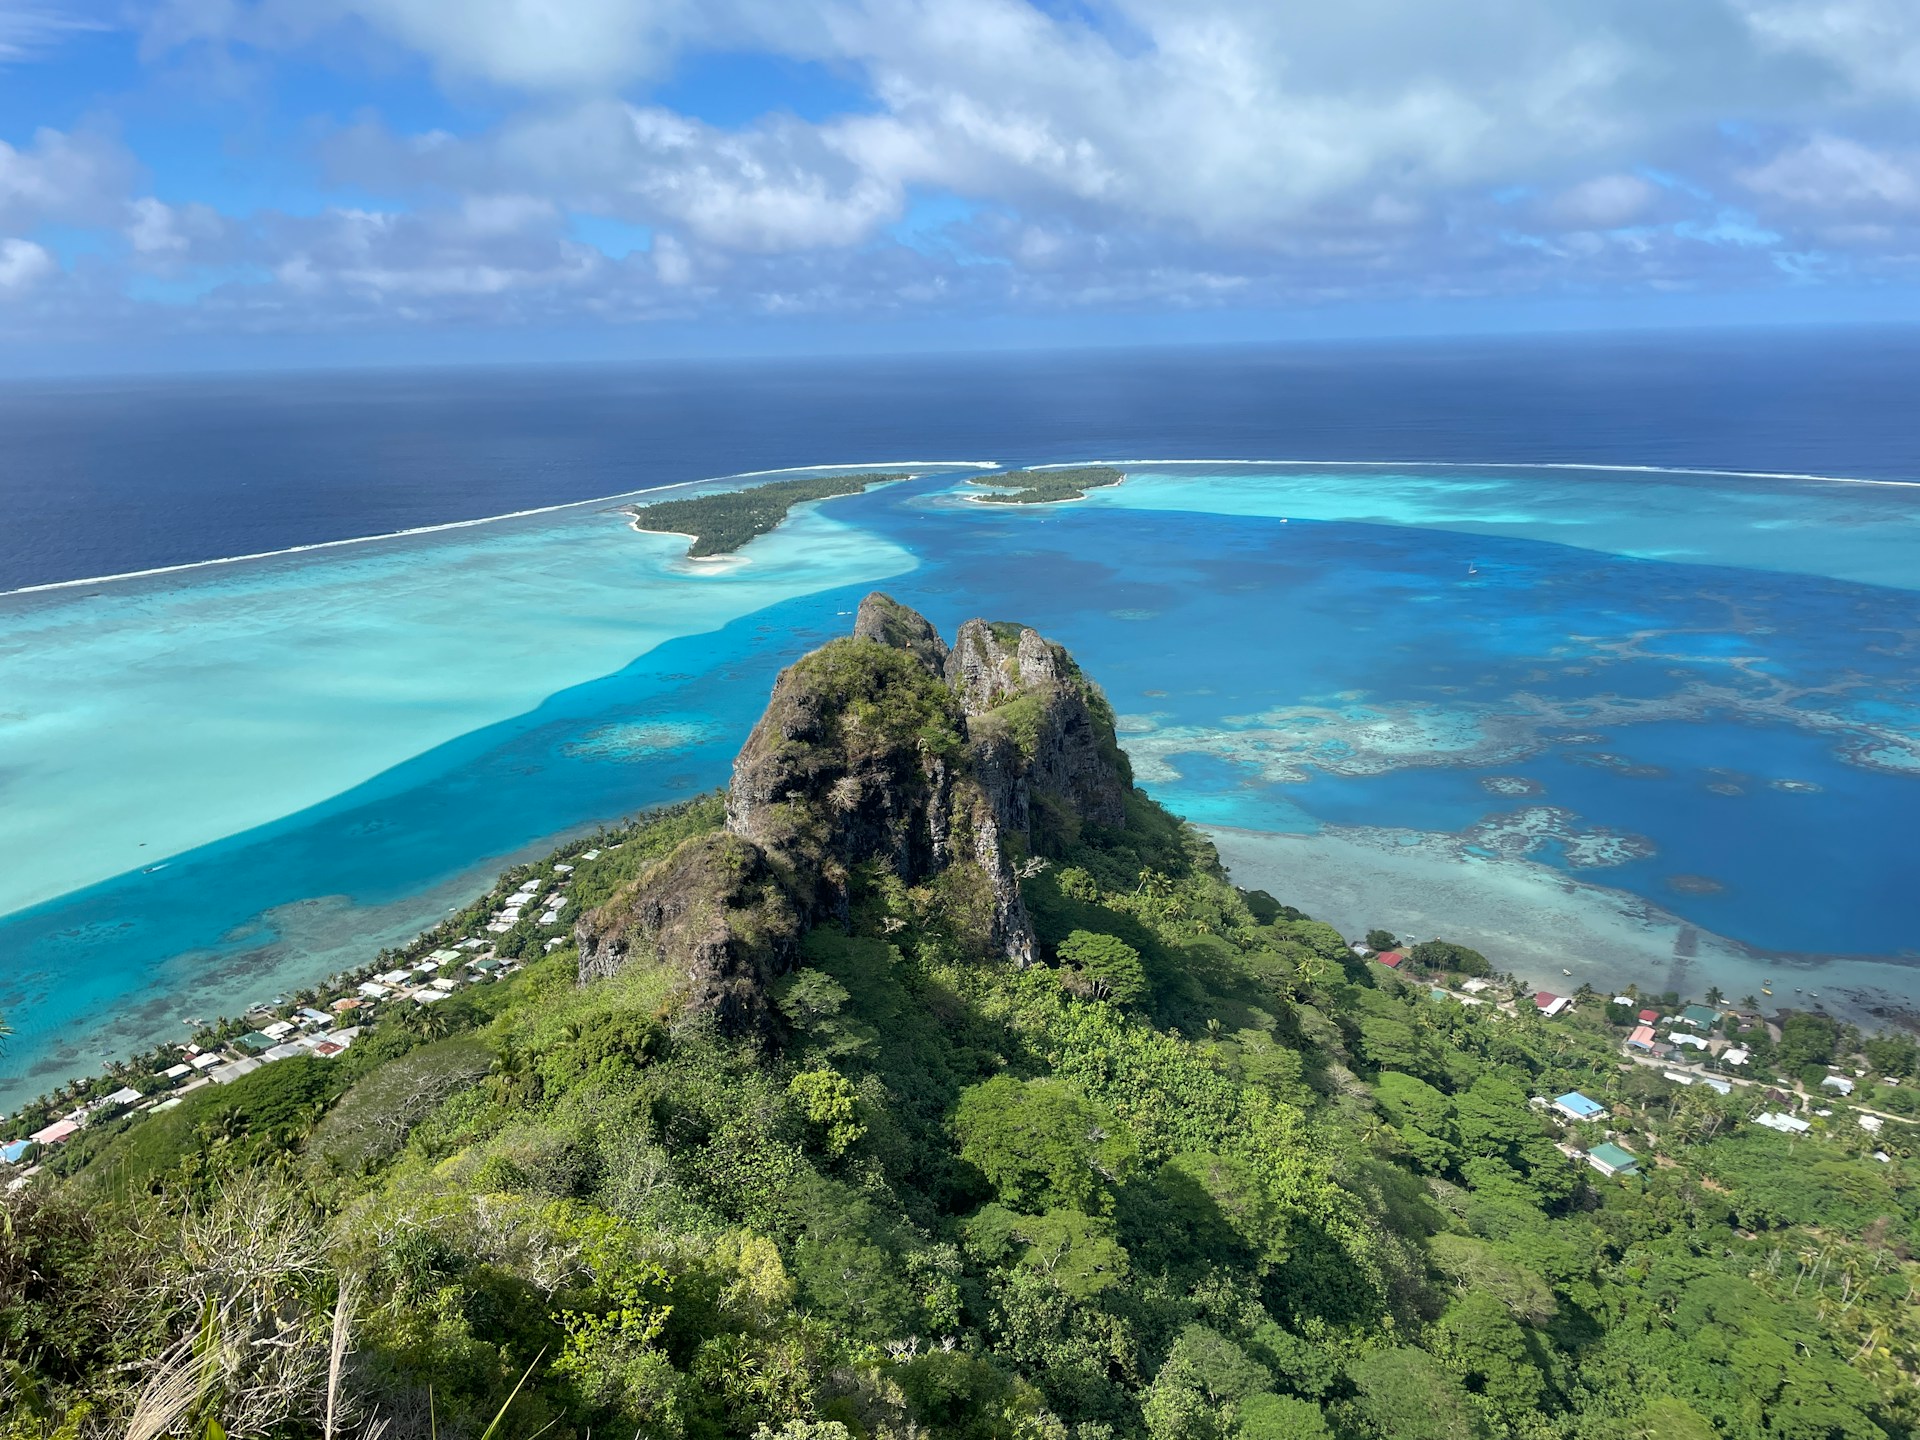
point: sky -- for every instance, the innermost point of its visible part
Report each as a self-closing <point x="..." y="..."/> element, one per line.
<point x="270" y="181"/>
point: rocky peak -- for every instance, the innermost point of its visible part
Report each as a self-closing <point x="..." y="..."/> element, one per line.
<point x="948" y="768"/>
<point x="993" y="661"/>
<point x="885" y="620"/>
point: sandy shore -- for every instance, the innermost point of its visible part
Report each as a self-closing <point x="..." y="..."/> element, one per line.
<point x="1538" y="923"/>
<point x="709" y="563"/>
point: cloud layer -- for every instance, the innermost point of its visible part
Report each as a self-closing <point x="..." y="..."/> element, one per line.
<point x="988" y="156"/>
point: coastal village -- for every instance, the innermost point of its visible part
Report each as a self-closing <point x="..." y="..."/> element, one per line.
<point x="1667" y="1046"/>
<point x="526" y="915"/>
<point x="1710" y="1045"/>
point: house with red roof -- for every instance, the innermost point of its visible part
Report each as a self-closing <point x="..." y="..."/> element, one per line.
<point x="1647" y="1017"/>
<point x="1550" y="1004"/>
<point x="55" y="1133"/>
<point x="1390" y="958"/>
<point x="1641" y="1038"/>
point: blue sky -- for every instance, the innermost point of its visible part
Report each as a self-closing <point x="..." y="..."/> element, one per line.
<point x="273" y="181"/>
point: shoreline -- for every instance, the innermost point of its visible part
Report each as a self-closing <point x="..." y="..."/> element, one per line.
<point x="442" y="526"/>
<point x="152" y="572"/>
<point x="1501" y="465"/>
<point x="730" y="561"/>
<point x="1537" y="922"/>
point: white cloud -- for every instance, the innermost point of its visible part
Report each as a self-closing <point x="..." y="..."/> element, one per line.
<point x="29" y="31"/>
<point x="1116" y="152"/>
<point x="23" y="264"/>
<point x="1873" y="46"/>
<point x="79" y="178"/>
<point x="164" y="236"/>
<point x="1830" y="173"/>
<point x="432" y="256"/>
<point x="1603" y="203"/>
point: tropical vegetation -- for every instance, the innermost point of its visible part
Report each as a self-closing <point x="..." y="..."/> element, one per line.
<point x="721" y="523"/>
<point x="1201" y="1173"/>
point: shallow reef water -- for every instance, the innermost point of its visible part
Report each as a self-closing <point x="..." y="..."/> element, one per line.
<point x="1462" y="703"/>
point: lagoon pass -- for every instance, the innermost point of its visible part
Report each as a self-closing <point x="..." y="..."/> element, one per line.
<point x="1637" y="725"/>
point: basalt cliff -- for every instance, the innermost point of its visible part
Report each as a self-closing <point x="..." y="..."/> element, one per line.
<point x="889" y="752"/>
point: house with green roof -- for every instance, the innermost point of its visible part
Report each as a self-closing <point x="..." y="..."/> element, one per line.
<point x="1609" y="1159"/>
<point x="1701" y="1015"/>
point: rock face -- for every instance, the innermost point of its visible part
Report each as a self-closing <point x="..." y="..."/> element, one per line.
<point x="714" y="910"/>
<point x="942" y="767"/>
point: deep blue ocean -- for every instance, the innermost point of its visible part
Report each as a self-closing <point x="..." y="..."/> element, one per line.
<point x="1706" y="717"/>
<point x="101" y="477"/>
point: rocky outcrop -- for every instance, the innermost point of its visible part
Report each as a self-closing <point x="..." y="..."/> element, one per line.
<point x="886" y="621"/>
<point x="943" y="767"/>
<point x="717" y="913"/>
<point x="1040" y="730"/>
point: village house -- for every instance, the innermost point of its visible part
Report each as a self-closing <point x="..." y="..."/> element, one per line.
<point x="1576" y="1106"/>
<point x="1609" y="1159"/>
<point x="55" y="1133"/>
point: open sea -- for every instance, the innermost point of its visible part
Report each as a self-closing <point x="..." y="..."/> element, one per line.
<point x="1594" y="653"/>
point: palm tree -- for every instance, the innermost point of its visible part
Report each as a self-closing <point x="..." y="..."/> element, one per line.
<point x="1715" y="995"/>
<point x="512" y="1075"/>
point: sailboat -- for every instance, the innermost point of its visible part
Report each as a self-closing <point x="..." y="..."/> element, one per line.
<point x="1472" y="569"/>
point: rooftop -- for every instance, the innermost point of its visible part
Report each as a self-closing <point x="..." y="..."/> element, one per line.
<point x="1574" y="1103"/>
<point x="1612" y="1157"/>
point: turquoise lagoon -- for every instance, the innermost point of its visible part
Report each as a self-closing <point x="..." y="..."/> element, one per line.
<point x="1637" y="725"/>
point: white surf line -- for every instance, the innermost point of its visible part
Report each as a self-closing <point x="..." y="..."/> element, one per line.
<point x="1498" y="465"/>
<point x="482" y="520"/>
<point x="865" y="465"/>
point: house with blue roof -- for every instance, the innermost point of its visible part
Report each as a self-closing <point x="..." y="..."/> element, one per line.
<point x="14" y="1151"/>
<point x="1576" y="1106"/>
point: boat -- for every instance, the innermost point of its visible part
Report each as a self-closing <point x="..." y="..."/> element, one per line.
<point x="1566" y="972"/>
<point x="1472" y="569"/>
<point x="1766" y="989"/>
